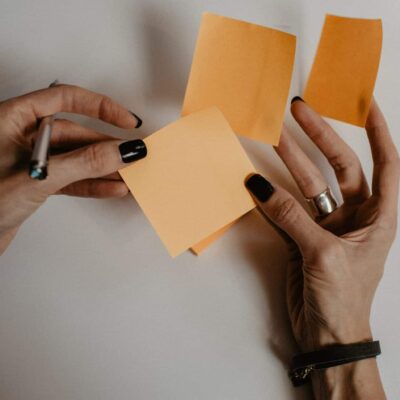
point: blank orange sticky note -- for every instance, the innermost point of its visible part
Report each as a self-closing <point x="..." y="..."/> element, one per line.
<point x="346" y="64"/>
<point x="245" y="70"/>
<point x="191" y="184"/>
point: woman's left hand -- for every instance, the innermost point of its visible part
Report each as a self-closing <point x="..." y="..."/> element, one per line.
<point x="86" y="161"/>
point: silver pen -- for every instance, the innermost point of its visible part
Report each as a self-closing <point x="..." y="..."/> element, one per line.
<point x="40" y="155"/>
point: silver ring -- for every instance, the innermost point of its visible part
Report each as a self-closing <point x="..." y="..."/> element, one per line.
<point x="323" y="203"/>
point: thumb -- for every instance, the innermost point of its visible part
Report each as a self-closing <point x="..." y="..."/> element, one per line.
<point x="283" y="210"/>
<point x="94" y="161"/>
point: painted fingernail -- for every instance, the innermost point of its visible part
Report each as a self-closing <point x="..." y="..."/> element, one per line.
<point x="132" y="150"/>
<point x="296" y="98"/>
<point x="259" y="187"/>
<point x="139" y="120"/>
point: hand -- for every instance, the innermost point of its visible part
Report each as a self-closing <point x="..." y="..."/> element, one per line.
<point x="86" y="161"/>
<point x="337" y="262"/>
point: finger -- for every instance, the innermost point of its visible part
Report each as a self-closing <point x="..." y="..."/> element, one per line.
<point x="69" y="135"/>
<point x="74" y="99"/>
<point x="343" y="159"/>
<point x="284" y="211"/>
<point x="386" y="160"/>
<point x="96" y="188"/>
<point x="94" y="161"/>
<point x="307" y="176"/>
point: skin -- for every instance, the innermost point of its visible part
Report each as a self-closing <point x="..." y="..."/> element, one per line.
<point x="337" y="262"/>
<point x="86" y="161"/>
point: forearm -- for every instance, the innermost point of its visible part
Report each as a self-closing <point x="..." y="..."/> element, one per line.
<point x="357" y="380"/>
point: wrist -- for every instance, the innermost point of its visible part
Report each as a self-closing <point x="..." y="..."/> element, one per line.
<point x="357" y="380"/>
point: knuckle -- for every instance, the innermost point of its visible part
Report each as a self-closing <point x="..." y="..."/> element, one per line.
<point x="65" y="89"/>
<point x="286" y="212"/>
<point x="94" y="159"/>
<point x="391" y="159"/>
<point x="64" y="93"/>
<point x="67" y="94"/>
<point x="307" y="181"/>
<point x="389" y="165"/>
<point x="106" y="109"/>
<point x="319" y="133"/>
<point x="88" y="189"/>
<point x="340" y="163"/>
<point x="61" y="87"/>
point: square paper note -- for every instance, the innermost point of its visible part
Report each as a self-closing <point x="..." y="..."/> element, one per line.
<point x="245" y="70"/>
<point x="343" y="76"/>
<point x="191" y="183"/>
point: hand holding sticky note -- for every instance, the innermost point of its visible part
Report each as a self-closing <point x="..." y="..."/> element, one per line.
<point x="191" y="183"/>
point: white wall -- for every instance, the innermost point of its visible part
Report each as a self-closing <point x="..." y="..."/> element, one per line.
<point x="91" y="305"/>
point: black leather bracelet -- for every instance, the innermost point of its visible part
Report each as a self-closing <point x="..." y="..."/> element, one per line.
<point x="330" y="356"/>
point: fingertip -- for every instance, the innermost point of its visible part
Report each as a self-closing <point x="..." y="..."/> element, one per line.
<point x="138" y="120"/>
<point x="119" y="190"/>
<point x="259" y="187"/>
<point x="132" y="150"/>
<point x="295" y="99"/>
<point x="297" y="107"/>
<point x="297" y="103"/>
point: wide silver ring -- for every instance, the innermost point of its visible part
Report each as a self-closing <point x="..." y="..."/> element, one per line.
<point x="323" y="203"/>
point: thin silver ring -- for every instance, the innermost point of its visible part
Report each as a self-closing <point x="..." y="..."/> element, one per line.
<point x="323" y="203"/>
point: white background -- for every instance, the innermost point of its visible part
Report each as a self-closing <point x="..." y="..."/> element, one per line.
<point x="91" y="305"/>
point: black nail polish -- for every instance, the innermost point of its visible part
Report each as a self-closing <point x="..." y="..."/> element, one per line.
<point x="132" y="150"/>
<point x="296" y="98"/>
<point x="139" y="120"/>
<point x="259" y="187"/>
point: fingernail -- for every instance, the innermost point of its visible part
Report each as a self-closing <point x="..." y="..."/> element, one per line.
<point x="132" y="150"/>
<point x="259" y="187"/>
<point x="139" y="120"/>
<point x="296" y="98"/>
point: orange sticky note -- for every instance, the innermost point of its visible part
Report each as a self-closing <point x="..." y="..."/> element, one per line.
<point x="191" y="184"/>
<point x="245" y="70"/>
<point x="343" y="75"/>
<point x="198" y="248"/>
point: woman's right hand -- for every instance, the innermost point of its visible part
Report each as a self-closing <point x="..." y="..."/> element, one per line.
<point x="335" y="263"/>
<point x="86" y="161"/>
